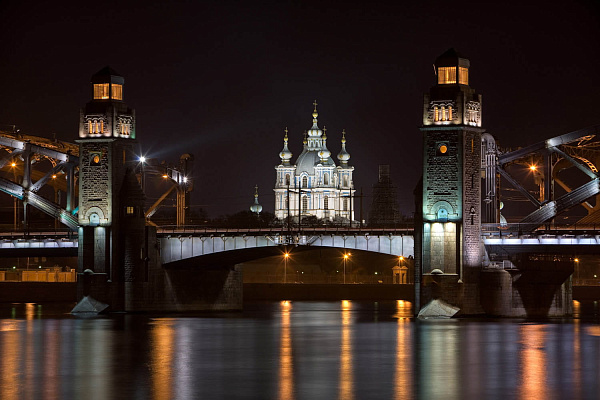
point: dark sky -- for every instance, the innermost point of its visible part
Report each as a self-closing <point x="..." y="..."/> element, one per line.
<point x="221" y="80"/>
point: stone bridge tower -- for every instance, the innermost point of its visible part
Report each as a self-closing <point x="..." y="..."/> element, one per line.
<point x="450" y="250"/>
<point x="111" y="216"/>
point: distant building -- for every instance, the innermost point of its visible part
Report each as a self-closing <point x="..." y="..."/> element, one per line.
<point x="384" y="208"/>
<point x="314" y="185"/>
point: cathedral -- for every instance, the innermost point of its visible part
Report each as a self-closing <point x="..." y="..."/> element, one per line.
<point x="314" y="186"/>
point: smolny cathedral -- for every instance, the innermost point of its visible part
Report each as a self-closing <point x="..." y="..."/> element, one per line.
<point x="314" y="186"/>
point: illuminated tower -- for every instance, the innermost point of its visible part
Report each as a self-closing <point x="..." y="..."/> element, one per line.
<point x="111" y="215"/>
<point x="451" y="202"/>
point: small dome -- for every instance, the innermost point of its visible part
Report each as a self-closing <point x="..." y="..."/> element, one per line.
<point x="285" y="154"/>
<point x="343" y="156"/>
<point x="324" y="154"/>
<point x="256" y="208"/>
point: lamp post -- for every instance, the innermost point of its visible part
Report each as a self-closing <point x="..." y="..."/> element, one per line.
<point x="346" y="255"/>
<point x="286" y="255"/>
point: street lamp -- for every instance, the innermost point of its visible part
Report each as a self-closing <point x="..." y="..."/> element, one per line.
<point x="142" y="162"/>
<point x="286" y="255"/>
<point x="346" y="255"/>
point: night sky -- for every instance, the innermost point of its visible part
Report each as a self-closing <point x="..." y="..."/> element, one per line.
<point x="221" y="80"/>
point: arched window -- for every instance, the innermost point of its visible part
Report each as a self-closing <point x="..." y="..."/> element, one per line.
<point x="326" y="178"/>
<point x="304" y="181"/>
<point x="345" y="204"/>
<point x="449" y="113"/>
<point x="326" y="203"/>
<point x="436" y="114"/>
<point x="304" y="203"/>
<point x="345" y="181"/>
<point x="444" y="113"/>
<point x="287" y="179"/>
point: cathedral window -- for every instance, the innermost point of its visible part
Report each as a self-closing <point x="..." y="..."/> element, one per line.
<point x="326" y="203"/>
<point x="436" y="114"/>
<point x="287" y="179"/>
<point x="117" y="91"/>
<point x="346" y="204"/>
<point x="449" y="113"/>
<point x="345" y="181"/>
<point x="326" y="179"/>
<point x="463" y="75"/>
<point x="90" y="127"/>
<point x="446" y="75"/>
<point x="304" y="203"/>
<point x="304" y="181"/>
<point x="101" y="91"/>
<point x="444" y="113"/>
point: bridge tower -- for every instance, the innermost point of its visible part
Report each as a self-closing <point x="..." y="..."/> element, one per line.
<point x="111" y="200"/>
<point x="450" y="250"/>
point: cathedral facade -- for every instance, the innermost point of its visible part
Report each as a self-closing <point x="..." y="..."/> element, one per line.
<point x="314" y="186"/>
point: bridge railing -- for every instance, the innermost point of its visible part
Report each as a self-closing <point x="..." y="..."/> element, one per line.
<point x="519" y="229"/>
<point x="407" y="229"/>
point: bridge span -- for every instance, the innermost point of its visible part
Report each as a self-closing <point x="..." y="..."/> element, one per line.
<point x="177" y="244"/>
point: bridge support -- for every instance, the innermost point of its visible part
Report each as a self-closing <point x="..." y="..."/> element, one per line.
<point x="534" y="290"/>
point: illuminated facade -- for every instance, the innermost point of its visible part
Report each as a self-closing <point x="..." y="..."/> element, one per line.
<point x="314" y="185"/>
<point x="452" y="148"/>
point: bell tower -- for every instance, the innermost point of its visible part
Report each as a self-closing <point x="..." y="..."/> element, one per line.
<point x="111" y="200"/>
<point x="450" y="251"/>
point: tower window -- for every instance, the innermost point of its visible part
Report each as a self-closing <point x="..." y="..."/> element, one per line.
<point x="446" y="75"/>
<point x="326" y="203"/>
<point x="463" y="75"/>
<point x="101" y="91"/>
<point x="449" y="113"/>
<point x="345" y="181"/>
<point x="117" y="91"/>
<point x="444" y="114"/>
<point x="287" y="179"/>
<point x="326" y="179"/>
<point x="442" y="149"/>
<point x="436" y="114"/>
<point x="304" y="181"/>
<point x="94" y="159"/>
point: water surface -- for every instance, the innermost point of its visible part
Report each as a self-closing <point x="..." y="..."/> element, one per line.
<point x="299" y="350"/>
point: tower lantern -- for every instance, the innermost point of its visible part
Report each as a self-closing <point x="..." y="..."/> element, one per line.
<point x="106" y="115"/>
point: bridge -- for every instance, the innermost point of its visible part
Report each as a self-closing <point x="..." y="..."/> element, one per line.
<point x="95" y="190"/>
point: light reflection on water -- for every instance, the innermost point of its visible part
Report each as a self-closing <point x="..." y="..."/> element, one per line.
<point x="299" y="350"/>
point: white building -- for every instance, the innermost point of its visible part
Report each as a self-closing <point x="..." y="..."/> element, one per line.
<point x="314" y="185"/>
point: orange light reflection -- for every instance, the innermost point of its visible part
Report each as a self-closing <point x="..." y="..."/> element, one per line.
<point x="533" y="363"/>
<point x="286" y="359"/>
<point x="346" y="385"/>
<point x="162" y="359"/>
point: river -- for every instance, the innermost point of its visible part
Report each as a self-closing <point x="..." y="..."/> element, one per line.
<point x="296" y="350"/>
